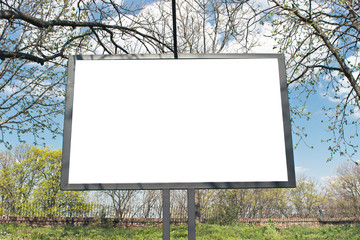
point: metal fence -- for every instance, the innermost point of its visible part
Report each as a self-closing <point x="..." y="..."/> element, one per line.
<point x="82" y="214"/>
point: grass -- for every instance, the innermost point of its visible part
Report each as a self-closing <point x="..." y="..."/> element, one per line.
<point x="203" y="231"/>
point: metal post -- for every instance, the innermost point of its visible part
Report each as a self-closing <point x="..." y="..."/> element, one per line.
<point x="191" y="214"/>
<point x="174" y="28"/>
<point x="166" y="213"/>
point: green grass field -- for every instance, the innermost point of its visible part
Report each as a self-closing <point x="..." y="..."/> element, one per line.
<point x="204" y="231"/>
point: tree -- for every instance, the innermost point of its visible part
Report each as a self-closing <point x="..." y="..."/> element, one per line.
<point x="229" y="205"/>
<point x="343" y="192"/>
<point x="51" y="30"/>
<point x="122" y="202"/>
<point x="32" y="95"/>
<point x="8" y="184"/>
<point x="320" y="40"/>
<point x="304" y="200"/>
<point x="33" y="184"/>
<point x="32" y="98"/>
<point x="149" y="204"/>
<point x="204" y="26"/>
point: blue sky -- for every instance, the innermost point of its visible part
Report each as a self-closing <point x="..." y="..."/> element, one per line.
<point x="313" y="162"/>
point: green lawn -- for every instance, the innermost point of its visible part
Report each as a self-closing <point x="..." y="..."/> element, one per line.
<point x="204" y="231"/>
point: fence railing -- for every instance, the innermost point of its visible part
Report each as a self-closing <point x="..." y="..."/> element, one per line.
<point x="144" y="222"/>
<point x="102" y="211"/>
<point x="47" y="210"/>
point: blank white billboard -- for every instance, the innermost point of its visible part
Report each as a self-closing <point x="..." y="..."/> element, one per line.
<point x="150" y="123"/>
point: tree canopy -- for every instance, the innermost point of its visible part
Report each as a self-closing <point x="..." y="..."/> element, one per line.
<point x="31" y="177"/>
<point x="321" y="42"/>
<point x="318" y="37"/>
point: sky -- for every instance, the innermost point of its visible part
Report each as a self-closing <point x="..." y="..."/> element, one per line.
<point x="311" y="162"/>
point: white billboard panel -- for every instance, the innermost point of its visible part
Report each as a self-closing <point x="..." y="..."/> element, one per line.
<point x="152" y="123"/>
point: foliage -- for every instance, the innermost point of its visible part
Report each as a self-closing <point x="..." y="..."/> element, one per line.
<point x="203" y="231"/>
<point x="46" y="33"/>
<point x="29" y="186"/>
<point x="35" y="38"/>
<point x="304" y="200"/>
<point x="54" y="29"/>
<point x="128" y="204"/>
<point x="204" y="26"/>
<point x="343" y="192"/>
<point x="320" y="42"/>
<point x="35" y="181"/>
<point x="319" y="38"/>
<point x="228" y="205"/>
<point x="32" y="96"/>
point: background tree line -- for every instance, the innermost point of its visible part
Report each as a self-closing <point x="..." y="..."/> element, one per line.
<point x="30" y="177"/>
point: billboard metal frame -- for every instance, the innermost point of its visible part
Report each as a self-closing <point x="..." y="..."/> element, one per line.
<point x="194" y="185"/>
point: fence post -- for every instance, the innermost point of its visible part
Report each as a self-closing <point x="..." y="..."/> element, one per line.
<point x="191" y="214"/>
<point x="166" y="214"/>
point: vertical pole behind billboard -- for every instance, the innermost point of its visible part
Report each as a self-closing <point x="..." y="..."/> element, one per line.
<point x="166" y="213"/>
<point x="191" y="214"/>
<point x="174" y="29"/>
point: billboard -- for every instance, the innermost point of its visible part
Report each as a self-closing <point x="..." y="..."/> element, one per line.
<point x="200" y="121"/>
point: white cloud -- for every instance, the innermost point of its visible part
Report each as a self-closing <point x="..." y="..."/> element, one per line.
<point x="10" y="89"/>
<point x="266" y="44"/>
<point x="356" y="115"/>
<point x="328" y="179"/>
<point x="331" y="99"/>
<point x="300" y="170"/>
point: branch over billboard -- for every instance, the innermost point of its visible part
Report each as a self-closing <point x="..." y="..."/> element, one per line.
<point x="200" y="121"/>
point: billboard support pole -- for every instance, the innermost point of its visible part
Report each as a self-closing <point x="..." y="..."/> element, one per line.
<point x="166" y="213"/>
<point x="191" y="214"/>
<point x="174" y="29"/>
